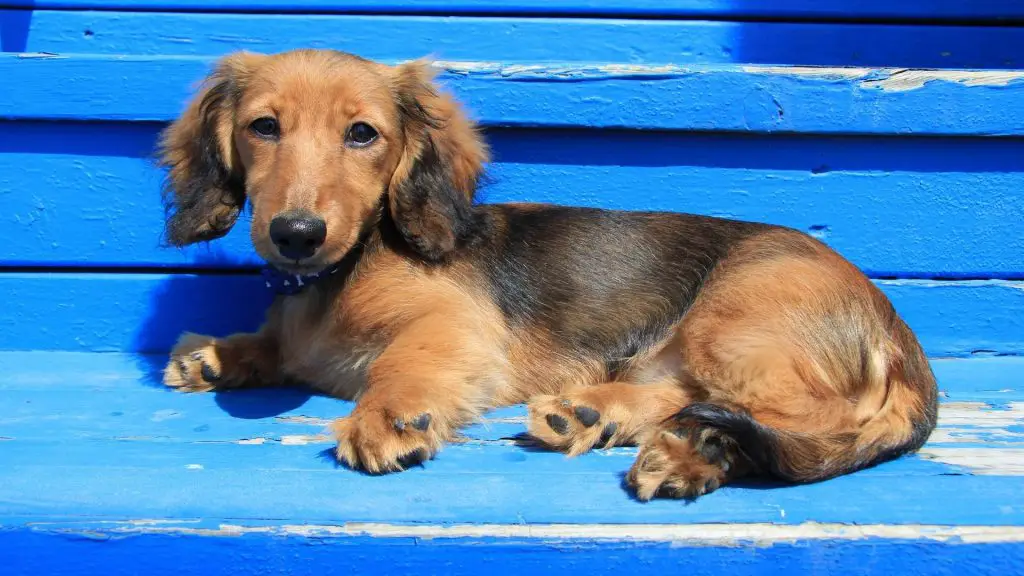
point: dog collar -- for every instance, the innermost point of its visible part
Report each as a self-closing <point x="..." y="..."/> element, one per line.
<point x="288" y="284"/>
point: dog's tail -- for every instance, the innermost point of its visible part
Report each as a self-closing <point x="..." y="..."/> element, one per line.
<point x="903" y="423"/>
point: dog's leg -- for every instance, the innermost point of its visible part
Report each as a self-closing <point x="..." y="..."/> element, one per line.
<point x="202" y="363"/>
<point x="609" y="414"/>
<point x="429" y="382"/>
<point x="683" y="459"/>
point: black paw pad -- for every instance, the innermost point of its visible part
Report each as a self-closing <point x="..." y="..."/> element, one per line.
<point x="208" y="373"/>
<point x="557" y="423"/>
<point x="421" y="422"/>
<point x="712" y="449"/>
<point x="711" y="485"/>
<point x="414" y="458"/>
<point x="587" y="416"/>
<point x="607" y="433"/>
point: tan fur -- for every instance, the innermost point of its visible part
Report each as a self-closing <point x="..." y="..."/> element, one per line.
<point x="783" y="328"/>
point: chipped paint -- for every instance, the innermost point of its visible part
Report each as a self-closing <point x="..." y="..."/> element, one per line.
<point x="819" y="72"/>
<point x="303" y="439"/>
<point x="887" y="79"/>
<point x="309" y="420"/>
<point x="563" y="71"/>
<point x="894" y="79"/>
<point x="907" y="79"/>
<point x="979" y="461"/>
<point x="979" y="423"/>
<point x="694" y="535"/>
<point x="39" y="56"/>
<point x="980" y="414"/>
<point x="504" y="420"/>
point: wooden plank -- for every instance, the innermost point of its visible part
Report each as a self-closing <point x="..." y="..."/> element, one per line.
<point x="520" y="39"/>
<point x="97" y="462"/>
<point x="147" y="312"/>
<point x="121" y="399"/>
<point x="115" y="551"/>
<point x="927" y="10"/>
<point x="162" y="480"/>
<point x="719" y="98"/>
<point x="87" y="194"/>
<point x="960" y="379"/>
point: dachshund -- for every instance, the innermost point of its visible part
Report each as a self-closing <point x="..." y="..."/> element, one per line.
<point x="721" y="348"/>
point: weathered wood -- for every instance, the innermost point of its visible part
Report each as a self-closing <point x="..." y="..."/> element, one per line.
<point x="113" y="312"/>
<point x="527" y="39"/>
<point x="926" y="10"/>
<point x="98" y="461"/>
<point x="643" y="104"/>
<point x="720" y="98"/>
<point x="87" y="194"/>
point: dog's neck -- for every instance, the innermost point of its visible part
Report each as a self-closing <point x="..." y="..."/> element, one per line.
<point x="286" y="284"/>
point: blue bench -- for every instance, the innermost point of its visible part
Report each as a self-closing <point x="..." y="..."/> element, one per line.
<point x="894" y="131"/>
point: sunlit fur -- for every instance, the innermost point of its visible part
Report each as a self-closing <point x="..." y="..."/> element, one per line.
<point x="722" y="348"/>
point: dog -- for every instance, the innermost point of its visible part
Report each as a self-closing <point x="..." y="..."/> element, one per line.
<point x="721" y="348"/>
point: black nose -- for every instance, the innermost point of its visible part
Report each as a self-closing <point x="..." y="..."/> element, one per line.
<point x="298" y="234"/>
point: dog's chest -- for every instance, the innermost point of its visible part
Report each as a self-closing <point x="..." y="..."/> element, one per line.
<point x="314" y="351"/>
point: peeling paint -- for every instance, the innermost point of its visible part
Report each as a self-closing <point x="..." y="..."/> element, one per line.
<point x="252" y="441"/>
<point x="894" y="79"/>
<point x="887" y="79"/>
<point x="903" y="80"/>
<point x="980" y="414"/>
<point x="310" y="420"/>
<point x="693" y="535"/>
<point x="505" y="420"/>
<point x="303" y="439"/>
<point x="980" y="461"/>
<point x="821" y="72"/>
<point x="39" y="56"/>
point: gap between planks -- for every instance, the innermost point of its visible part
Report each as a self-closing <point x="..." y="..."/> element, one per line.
<point x="691" y="535"/>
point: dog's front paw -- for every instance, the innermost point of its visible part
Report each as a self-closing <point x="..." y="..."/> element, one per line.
<point x="195" y="365"/>
<point x="379" y="441"/>
<point x="573" y="423"/>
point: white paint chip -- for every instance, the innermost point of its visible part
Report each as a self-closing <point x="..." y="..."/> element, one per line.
<point x="694" y="535"/>
<point x="194" y="466"/>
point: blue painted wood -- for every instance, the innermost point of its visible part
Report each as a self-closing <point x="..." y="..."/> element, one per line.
<point x="147" y="312"/>
<point x="301" y="484"/>
<point x="98" y="549"/>
<point x="119" y="397"/>
<point x="717" y="98"/>
<point x="198" y="465"/>
<point x="91" y="443"/>
<point x="86" y="194"/>
<point x="959" y="379"/>
<point x="927" y="10"/>
<point x="519" y="40"/>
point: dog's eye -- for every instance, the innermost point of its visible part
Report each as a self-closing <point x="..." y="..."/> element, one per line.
<point x="265" y="127"/>
<point x="360" y="134"/>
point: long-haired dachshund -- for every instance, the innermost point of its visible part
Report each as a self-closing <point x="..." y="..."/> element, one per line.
<point x="721" y="348"/>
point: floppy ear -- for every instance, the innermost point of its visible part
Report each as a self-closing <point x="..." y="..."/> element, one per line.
<point x="431" y="192"/>
<point x="205" y="189"/>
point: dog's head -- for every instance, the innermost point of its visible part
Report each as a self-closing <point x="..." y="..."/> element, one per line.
<point x="321" y="144"/>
